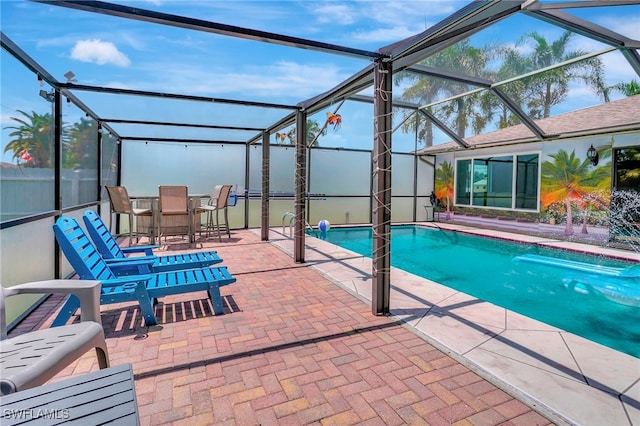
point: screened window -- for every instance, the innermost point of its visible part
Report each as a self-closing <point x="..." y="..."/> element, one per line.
<point x="625" y="203"/>
<point x="493" y="181"/>
<point x="463" y="182"/>
<point x="527" y="182"/>
<point x="109" y="162"/>
<point x="79" y="162"/>
<point x="627" y="169"/>
<point x="489" y="182"/>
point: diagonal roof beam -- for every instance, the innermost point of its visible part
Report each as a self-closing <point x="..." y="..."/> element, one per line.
<point x="581" y="4"/>
<point x="26" y="60"/>
<point x="524" y="118"/>
<point x="453" y="135"/>
<point x="145" y="15"/>
<point x="193" y="125"/>
<point x="120" y="91"/>
<point x="449" y="75"/>
<point x="481" y="82"/>
<point x="395" y="102"/>
<point x="462" y="24"/>
<point x="351" y="86"/>
<point x="633" y="56"/>
<point x="582" y="27"/>
<point x="588" y="29"/>
<point x="279" y="125"/>
<point x="413" y="49"/>
<point x="22" y="56"/>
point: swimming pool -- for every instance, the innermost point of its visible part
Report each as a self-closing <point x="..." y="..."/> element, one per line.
<point x="485" y="268"/>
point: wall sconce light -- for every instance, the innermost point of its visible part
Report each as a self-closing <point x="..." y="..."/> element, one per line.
<point x="592" y="155"/>
<point x="40" y="81"/>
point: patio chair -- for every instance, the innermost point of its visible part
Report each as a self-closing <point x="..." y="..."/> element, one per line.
<point x="173" y="205"/>
<point x="31" y="359"/>
<point x="114" y="255"/>
<point x="218" y="202"/>
<point x="121" y="204"/>
<point x="144" y="289"/>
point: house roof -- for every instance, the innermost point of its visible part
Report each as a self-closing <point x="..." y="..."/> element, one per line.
<point x="620" y="115"/>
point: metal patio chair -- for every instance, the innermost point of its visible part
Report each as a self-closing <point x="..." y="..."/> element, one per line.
<point x="122" y="205"/>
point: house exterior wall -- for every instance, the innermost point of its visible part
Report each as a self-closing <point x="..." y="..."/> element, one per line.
<point x="567" y="180"/>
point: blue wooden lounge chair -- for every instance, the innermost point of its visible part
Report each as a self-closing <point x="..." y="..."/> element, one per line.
<point x="144" y="289"/>
<point x="116" y="256"/>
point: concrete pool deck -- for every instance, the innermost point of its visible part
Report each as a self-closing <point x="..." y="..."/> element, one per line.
<point x="569" y="378"/>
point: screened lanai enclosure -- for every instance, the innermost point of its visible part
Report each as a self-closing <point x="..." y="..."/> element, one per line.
<point x="455" y="105"/>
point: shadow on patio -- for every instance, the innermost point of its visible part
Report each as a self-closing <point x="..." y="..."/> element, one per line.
<point x="291" y="348"/>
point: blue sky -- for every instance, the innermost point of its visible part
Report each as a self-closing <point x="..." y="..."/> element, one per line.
<point x="107" y="51"/>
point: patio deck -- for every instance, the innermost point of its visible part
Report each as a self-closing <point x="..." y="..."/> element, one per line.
<point x="298" y="345"/>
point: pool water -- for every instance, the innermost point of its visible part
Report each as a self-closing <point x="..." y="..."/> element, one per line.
<point x="485" y="268"/>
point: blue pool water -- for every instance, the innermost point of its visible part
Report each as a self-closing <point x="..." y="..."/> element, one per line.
<point x="485" y="268"/>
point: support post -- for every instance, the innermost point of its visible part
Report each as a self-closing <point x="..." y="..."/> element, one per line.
<point x="381" y="178"/>
<point x="57" y="167"/>
<point x="300" y="186"/>
<point x="266" y="171"/>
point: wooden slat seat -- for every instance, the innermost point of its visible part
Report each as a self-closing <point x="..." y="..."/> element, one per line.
<point x="108" y="247"/>
<point x="144" y="289"/>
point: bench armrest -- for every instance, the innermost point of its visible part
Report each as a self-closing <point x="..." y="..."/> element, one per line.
<point x="127" y="279"/>
<point x="88" y="291"/>
<point x="136" y="260"/>
<point x="136" y="265"/>
<point x="148" y="250"/>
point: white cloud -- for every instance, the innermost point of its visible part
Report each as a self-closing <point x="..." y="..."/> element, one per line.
<point x="334" y="13"/>
<point x="99" y="52"/>
<point x="627" y="25"/>
<point x="385" y="35"/>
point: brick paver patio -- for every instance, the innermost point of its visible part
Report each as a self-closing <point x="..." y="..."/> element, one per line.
<point x="291" y="349"/>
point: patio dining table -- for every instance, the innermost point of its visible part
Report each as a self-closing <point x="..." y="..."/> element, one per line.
<point x="175" y="222"/>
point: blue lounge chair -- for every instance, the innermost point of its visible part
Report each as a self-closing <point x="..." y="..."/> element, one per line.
<point x="144" y="289"/>
<point x="116" y="256"/>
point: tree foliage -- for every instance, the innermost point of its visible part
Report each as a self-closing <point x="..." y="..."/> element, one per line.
<point x="534" y="93"/>
<point x="32" y="140"/>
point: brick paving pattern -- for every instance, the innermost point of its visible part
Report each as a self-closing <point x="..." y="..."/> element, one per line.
<point x="291" y="349"/>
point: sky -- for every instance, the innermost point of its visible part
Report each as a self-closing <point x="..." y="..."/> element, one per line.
<point x="115" y="52"/>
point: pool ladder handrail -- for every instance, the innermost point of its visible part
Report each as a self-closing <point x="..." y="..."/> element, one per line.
<point x="292" y="219"/>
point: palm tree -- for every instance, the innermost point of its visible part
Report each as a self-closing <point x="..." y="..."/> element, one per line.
<point x="567" y="179"/>
<point x="513" y="64"/>
<point x="444" y="185"/>
<point x="313" y="133"/>
<point x="631" y="88"/>
<point x="461" y="113"/>
<point x="551" y="87"/>
<point x="33" y="135"/>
